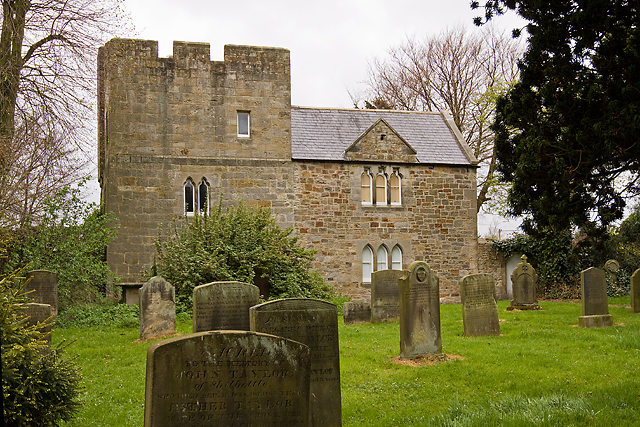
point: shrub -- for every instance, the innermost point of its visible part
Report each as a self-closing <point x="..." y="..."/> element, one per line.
<point x="70" y="239"/>
<point x="107" y="313"/>
<point x="39" y="387"/>
<point x="239" y="244"/>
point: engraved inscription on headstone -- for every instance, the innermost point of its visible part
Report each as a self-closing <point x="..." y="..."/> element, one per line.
<point x="39" y="313"/>
<point x="157" y="308"/>
<point x="44" y="287"/>
<point x="356" y="311"/>
<point x="524" y="279"/>
<point x="419" y="312"/>
<point x="223" y="306"/>
<point x="479" y="308"/>
<point x="385" y="297"/>
<point x="227" y="379"/>
<point x="635" y="291"/>
<point x="595" y="304"/>
<point x="314" y="323"/>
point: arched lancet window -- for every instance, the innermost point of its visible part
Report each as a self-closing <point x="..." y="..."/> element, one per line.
<point x="382" y="258"/>
<point x="367" y="192"/>
<point x="381" y="189"/>
<point x="367" y="264"/>
<point x="396" y="258"/>
<point x="203" y="196"/>
<point x="395" y="188"/>
<point x="189" y="197"/>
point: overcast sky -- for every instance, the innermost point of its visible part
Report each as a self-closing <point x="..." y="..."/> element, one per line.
<point x="331" y="41"/>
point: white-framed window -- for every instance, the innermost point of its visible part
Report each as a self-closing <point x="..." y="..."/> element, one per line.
<point x="381" y="258"/>
<point x="203" y="196"/>
<point x="244" y="123"/>
<point x="366" y="188"/>
<point x="395" y="186"/>
<point x="367" y="264"/>
<point x="381" y="189"/>
<point x="189" y="197"/>
<point x="396" y="258"/>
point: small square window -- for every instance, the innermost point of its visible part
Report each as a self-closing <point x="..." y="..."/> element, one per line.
<point x="243" y="124"/>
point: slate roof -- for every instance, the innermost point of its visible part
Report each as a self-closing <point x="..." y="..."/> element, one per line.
<point x="324" y="134"/>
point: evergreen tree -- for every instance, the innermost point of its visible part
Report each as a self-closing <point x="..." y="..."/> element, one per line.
<point x="567" y="132"/>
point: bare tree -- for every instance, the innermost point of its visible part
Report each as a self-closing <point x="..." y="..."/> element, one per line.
<point x="48" y="50"/>
<point x="458" y="71"/>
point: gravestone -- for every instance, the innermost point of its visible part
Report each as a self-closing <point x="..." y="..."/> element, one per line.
<point x="385" y="306"/>
<point x="315" y="324"/>
<point x="39" y="313"/>
<point x="157" y="308"/>
<point x="635" y="291"/>
<point x="43" y="288"/>
<point x="524" y="279"/>
<point x="357" y="311"/>
<point x="595" y="304"/>
<point x="419" y="312"/>
<point x="228" y="379"/>
<point x="479" y="308"/>
<point x="223" y="306"/>
<point x="612" y="267"/>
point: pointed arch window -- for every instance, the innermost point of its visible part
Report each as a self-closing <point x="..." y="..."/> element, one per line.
<point x="189" y="197"/>
<point x="396" y="258"/>
<point x="367" y="264"/>
<point x="203" y="196"/>
<point x="394" y="187"/>
<point x="381" y="189"/>
<point x="382" y="261"/>
<point x="366" y="188"/>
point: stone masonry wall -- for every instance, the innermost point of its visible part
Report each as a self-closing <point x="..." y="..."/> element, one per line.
<point x="435" y="223"/>
<point x="492" y="262"/>
<point x="163" y="120"/>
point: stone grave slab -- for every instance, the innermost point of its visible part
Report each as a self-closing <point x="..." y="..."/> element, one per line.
<point x="595" y="304"/>
<point x="227" y="379"/>
<point x="356" y="311"/>
<point x="39" y="313"/>
<point x="385" y="297"/>
<point x="524" y="280"/>
<point x="479" y="307"/>
<point x="315" y="324"/>
<point x="635" y="291"/>
<point x="419" y="312"/>
<point x="223" y="306"/>
<point x="43" y="288"/>
<point x="157" y="308"/>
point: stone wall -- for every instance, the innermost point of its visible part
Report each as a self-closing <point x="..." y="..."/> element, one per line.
<point x="164" y="120"/>
<point x="492" y="262"/>
<point x="436" y="222"/>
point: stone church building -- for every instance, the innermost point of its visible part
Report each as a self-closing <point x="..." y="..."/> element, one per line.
<point x="367" y="189"/>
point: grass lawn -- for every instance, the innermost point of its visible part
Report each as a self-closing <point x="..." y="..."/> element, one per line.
<point x="542" y="371"/>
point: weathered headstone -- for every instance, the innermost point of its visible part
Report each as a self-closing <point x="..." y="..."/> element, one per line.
<point x="479" y="308"/>
<point x="223" y="306"/>
<point x="157" y="308"/>
<point x="314" y="323"/>
<point x="356" y="311"/>
<point x="419" y="312"/>
<point x="43" y="288"/>
<point x="39" y="313"/>
<point x="385" y="297"/>
<point x="612" y="267"/>
<point x="228" y="379"/>
<point x="635" y="291"/>
<point x="524" y="279"/>
<point x="595" y="304"/>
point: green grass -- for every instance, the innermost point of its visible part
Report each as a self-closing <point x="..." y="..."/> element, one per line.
<point x="542" y="371"/>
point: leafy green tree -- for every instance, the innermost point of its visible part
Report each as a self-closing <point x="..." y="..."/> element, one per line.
<point x="70" y="239"/>
<point x="567" y="132"/>
<point x="40" y="387"/>
<point x="242" y="244"/>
